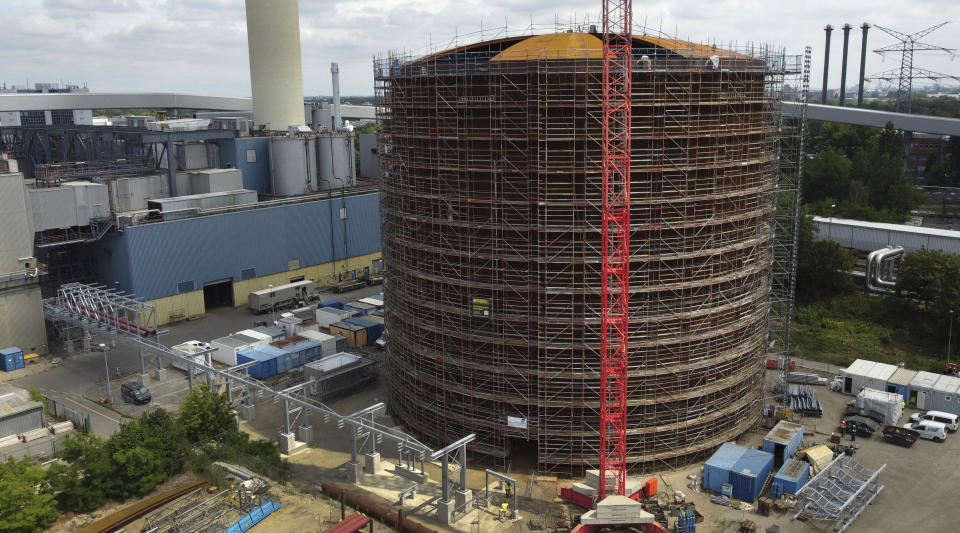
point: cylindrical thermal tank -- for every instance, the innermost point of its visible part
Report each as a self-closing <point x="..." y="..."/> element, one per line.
<point x="276" y="80"/>
<point x="293" y="165"/>
<point x="336" y="160"/>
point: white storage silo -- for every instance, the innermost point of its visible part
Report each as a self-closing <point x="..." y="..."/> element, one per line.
<point x="336" y="160"/>
<point x="276" y="79"/>
<point x="293" y="165"/>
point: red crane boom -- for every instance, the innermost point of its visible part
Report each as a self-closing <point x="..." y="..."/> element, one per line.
<point x="615" y="295"/>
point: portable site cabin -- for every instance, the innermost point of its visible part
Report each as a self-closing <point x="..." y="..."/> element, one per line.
<point x="790" y="478"/>
<point x="784" y="439"/>
<point x="374" y="328"/>
<point x="863" y="374"/>
<point x="899" y="382"/>
<point x="943" y="395"/>
<point x="744" y="468"/>
<point x="330" y="315"/>
<point x="226" y="348"/>
<point x="328" y="343"/>
<point x="921" y="387"/>
<point x="372" y="300"/>
<point x="275" y="334"/>
<point x="356" y="335"/>
<point x="280" y="357"/>
<point x="339" y="373"/>
<point x="360" y="307"/>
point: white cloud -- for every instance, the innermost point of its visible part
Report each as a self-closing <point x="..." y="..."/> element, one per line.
<point x="191" y="46"/>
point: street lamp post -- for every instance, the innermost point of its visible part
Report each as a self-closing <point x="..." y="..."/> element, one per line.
<point x="106" y="367"/>
<point x="949" y="336"/>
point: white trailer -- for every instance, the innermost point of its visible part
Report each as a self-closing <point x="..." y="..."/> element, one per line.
<point x="197" y="351"/>
<point x="282" y="296"/>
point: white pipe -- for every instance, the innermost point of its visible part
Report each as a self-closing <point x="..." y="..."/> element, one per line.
<point x="335" y="73"/>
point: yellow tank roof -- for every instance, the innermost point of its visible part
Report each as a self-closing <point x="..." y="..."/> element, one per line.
<point x="554" y="46"/>
<point x="686" y="48"/>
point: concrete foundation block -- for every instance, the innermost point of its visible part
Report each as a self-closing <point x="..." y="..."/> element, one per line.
<point x="354" y="471"/>
<point x="462" y="497"/>
<point x="144" y="379"/>
<point x="412" y="475"/>
<point x="305" y="434"/>
<point x="288" y="442"/>
<point x="160" y="374"/>
<point x="445" y="511"/>
<point x="248" y="412"/>
<point x="371" y="463"/>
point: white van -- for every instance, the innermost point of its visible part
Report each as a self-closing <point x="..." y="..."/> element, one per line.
<point x="947" y="419"/>
<point x="929" y="430"/>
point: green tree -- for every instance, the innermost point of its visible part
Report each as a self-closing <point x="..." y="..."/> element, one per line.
<point x="206" y="415"/>
<point x="822" y="266"/>
<point x="26" y="500"/>
<point x="933" y="278"/>
<point x="827" y="175"/>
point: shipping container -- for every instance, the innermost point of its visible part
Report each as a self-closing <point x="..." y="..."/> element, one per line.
<point x="359" y="307"/>
<point x="11" y="359"/>
<point x="280" y="356"/>
<point x="750" y="474"/>
<point x="716" y="471"/>
<point x="328" y="342"/>
<point x="281" y="296"/>
<point x="376" y="302"/>
<point x="259" y="335"/>
<point x="335" y="304"/>
<point x="784" y="439"/>
<point x="275" y="334"/>
<point x="899" y="382"/>
<point x="329" y="315"/>
<point x="227" y="348"/>
<point x="216" y="180"/>
<point x="792" y="476"/>
<point x="374" y="329"/>
<point x="356" y="335"/>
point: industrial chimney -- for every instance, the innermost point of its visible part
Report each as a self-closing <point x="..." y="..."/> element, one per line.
<point x="826" y="63"/>
<point x="276" y="79"/>
<point x="843" y="67"/>
<point x="863" y="62"/>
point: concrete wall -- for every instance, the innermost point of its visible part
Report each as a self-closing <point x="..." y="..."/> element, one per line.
<point x="21" y="311"/>
<point x="151" y="260"/>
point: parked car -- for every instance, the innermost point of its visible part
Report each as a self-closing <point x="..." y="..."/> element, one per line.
<point x="135" y="393"/>
<point x="947" y="419"/>
<point x="929" y="430"/>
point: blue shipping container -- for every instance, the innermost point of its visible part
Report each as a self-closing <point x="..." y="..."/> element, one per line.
<point x="374" y="329"/>
<point x="360" y="307"/>
<point x="783" y="440"/>
<point x="776" y="490"/>
<point x="716" y="471"/>
<point x="792" y="476"/>
<point x="11" y="359"/>
<point x="750" y="473"/>
<point x="336" y="304"/>
<point x="266" y="366"/>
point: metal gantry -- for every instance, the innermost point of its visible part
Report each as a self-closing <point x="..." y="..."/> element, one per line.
<point x="125" y="316"/>
<point x="839" y="493"/>
<point x="615" y="285"/>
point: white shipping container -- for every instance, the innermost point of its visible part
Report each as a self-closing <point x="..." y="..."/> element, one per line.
<point x="330" y="315"/>
<point x="328" y="343"/>
<point x="228" y="347"/>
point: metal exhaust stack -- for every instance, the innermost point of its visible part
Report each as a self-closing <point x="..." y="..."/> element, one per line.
<point x="843" y="64"/>
<point x="826" y="64"/>
<point x="863" y="62"/>
<point x="335" y="73"/>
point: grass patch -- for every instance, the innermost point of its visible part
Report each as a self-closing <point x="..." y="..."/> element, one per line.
<point x="861" y="326"/>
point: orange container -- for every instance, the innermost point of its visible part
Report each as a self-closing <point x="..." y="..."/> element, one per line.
<point x="650" y="487"/>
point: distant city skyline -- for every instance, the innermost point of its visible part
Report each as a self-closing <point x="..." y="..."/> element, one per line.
<point x="200" y="47"/>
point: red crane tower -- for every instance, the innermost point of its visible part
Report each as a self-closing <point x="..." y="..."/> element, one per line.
<point x="615" y="296"/>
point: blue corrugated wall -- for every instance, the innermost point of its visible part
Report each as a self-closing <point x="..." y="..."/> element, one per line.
<point x="256" y="175"/>
<point x="150" y="260"/>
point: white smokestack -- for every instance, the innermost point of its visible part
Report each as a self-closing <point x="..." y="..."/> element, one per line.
<point x="335" y="73"/>
<point x="276" y="78"/>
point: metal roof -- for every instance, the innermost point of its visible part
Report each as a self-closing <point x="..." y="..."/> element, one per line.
<point x="15" y="400"/>
<point x="335" y="362"/>
<point x="881" y="371"/>
<point x="924" y="380"/>
<point x="903" y="376"/>
<point x="784" y="432"/>
<point x="877" y="119"/>
<point x="554" y="46"/>
<point x="947" y="385"/>
<point x="860" y="367"/>
<point x="861" y="235"/>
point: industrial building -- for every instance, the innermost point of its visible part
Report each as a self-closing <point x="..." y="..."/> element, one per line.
<point x="492" y="234"/>
<point x="49" y="117"/>
<point x="188" y="214"/>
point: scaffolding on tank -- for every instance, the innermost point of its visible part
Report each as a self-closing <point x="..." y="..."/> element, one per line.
<point x="491" y="224"/>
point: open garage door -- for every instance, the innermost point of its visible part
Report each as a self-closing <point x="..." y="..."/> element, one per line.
<point x="218" y="293"/>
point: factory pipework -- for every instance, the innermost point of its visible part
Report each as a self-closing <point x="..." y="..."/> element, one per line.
<point x="335" y="74"/>
<point x="826" y="64"/>
<point x="276" y="77"/>
<point x="863" y="62"/>
<point x="843" y="64"/>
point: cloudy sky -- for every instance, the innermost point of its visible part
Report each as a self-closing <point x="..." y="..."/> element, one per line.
<point x="200" y="46"/>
